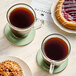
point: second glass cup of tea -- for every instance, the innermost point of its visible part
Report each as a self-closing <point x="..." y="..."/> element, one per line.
<point x="21" y="18"/>
<point x="55" y="50"/>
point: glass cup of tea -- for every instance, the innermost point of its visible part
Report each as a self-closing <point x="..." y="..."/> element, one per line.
<point x="21" y="18"/>
<point x="55" y="50"/>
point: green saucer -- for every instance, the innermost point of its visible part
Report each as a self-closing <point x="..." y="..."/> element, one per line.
<point x="18" y="41"/>
<point x="45" y="67"/>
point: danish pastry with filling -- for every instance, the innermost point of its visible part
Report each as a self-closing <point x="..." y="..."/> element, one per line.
<point x="65" y="13"/>
<point x="10" y="68"/>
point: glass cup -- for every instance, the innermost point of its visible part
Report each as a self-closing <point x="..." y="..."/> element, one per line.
<point x="51" y="62"/>
<point x="16" y="31"/>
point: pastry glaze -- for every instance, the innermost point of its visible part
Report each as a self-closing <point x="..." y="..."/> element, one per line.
<point x="10" y="68"/>
<point x="61" y="19"/>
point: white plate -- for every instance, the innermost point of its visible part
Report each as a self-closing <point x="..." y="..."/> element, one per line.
<point x="56" y="22"/>
<point x="25" y="69"/>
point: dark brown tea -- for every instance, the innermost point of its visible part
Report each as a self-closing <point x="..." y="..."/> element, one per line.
<point x="21" y="17"/>
<point x="56" y="49"/>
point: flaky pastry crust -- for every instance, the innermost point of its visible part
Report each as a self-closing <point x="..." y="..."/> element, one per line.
<point x="61" y="19"/>
<point x="10" y="68"/>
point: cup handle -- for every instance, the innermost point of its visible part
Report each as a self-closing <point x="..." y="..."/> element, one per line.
<point x="52" y="65"/>
<point x="38" y="26"/>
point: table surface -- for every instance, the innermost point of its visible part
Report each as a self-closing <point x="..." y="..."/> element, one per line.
<point x="28" y="52"/>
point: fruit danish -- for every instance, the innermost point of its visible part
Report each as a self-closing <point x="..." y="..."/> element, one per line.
<point x="10" y="68"/>
<point x="65" y="13"/>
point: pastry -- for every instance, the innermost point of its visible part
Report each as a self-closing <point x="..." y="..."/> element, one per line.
<point x="65" y="13"/>
<point x="10" y="68"/>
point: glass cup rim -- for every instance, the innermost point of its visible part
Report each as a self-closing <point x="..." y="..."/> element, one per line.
<point x="69" y="47"/>
<point x="11" y="25"/>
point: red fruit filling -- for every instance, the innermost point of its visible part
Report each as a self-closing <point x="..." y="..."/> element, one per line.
<point x="69" y="10"/>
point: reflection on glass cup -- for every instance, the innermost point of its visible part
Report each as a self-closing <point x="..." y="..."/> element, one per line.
<point x="21" y="18"/>
<point x="55" y="50"/>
